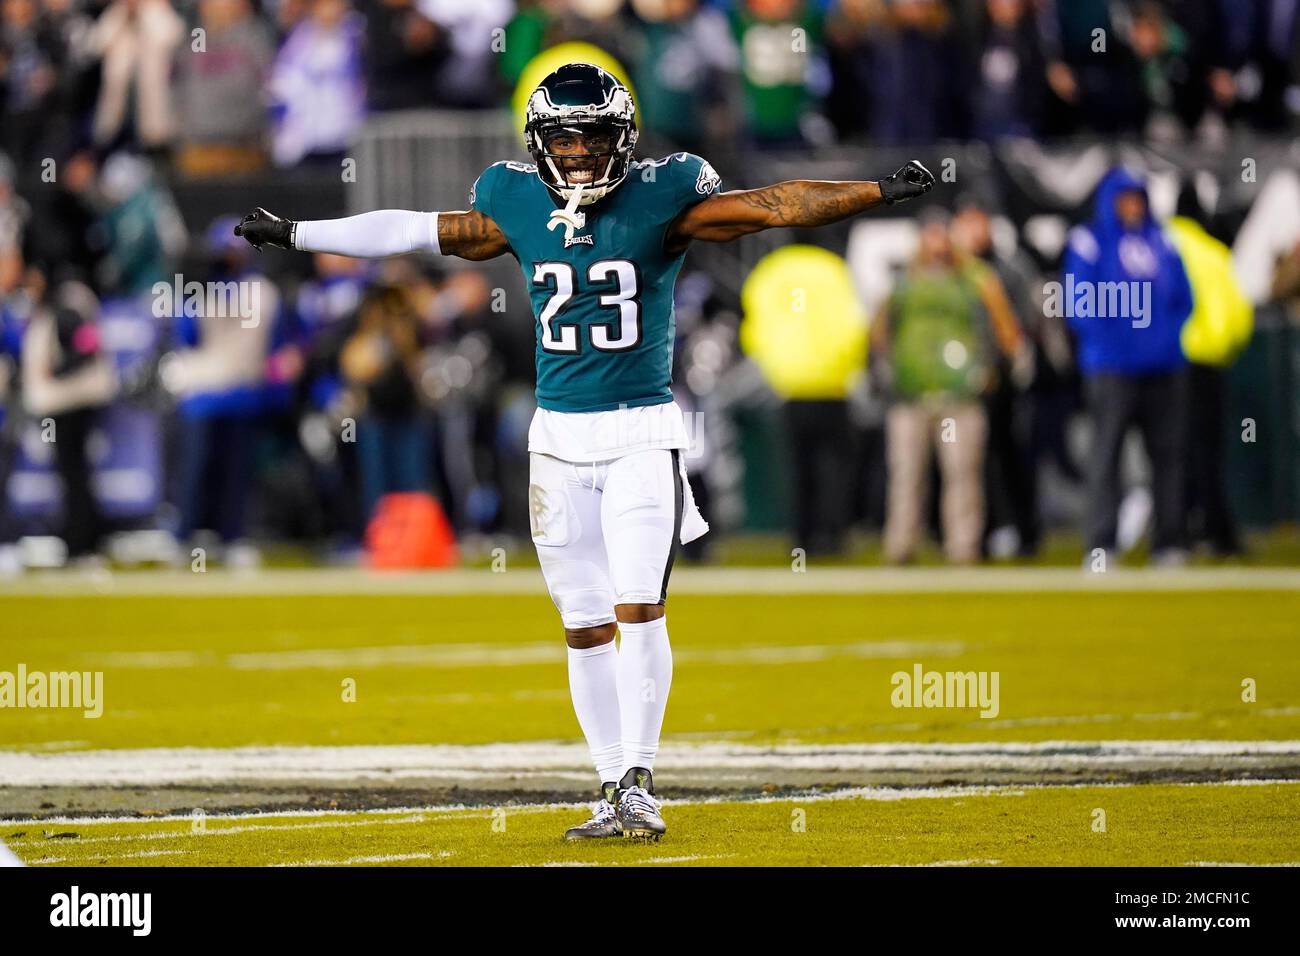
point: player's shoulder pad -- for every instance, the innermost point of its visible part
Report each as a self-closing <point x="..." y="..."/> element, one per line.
<point x="690" y="177"/>
<point x="492" y="179"/>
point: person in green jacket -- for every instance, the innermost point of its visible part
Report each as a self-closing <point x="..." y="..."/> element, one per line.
<point x="933" y="348"/>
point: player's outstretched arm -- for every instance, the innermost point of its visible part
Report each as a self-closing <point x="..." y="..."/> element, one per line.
<point x="378" y="235"/>
<point x="799" y="202"/>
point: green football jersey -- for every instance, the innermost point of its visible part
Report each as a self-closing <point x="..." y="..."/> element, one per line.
<point x="602" y="297"/>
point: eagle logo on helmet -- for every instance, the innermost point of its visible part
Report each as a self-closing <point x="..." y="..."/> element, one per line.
<point x="580" y="98"/>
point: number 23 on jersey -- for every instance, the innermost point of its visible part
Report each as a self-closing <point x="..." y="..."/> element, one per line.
<point x="617" y="282"/>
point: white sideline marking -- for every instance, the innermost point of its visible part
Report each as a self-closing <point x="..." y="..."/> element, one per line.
<point x="214" y="831"/>
<point x="682" y="859"/>
<point x="938" y="863"/>
<point x="880" y="794"/>
<point x="795" y="654"/>
<point x="1090" y="719"/>
<point x="1213" y="863"/>
<point x="379" y="858"/>
<point x="140" y="855"/>
<point x="883" y="794"/>
<point x="509" y="655"/>
<point x="860" y="793"/>
<point x="649" y="859"/>
<point x="246" y="815"/>
<point x="568" y="759"/>
<point x="764" y="580"/>
<point x="1244" y="782"/>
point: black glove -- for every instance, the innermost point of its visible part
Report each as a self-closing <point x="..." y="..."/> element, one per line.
<point x="909" y="182"/>
<point x="260" y="227"/>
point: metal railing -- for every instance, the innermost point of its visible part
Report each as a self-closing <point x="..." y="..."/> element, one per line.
<point x="428" y="159"/>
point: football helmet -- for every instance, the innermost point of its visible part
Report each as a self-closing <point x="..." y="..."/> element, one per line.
<point x="581" y="99"/>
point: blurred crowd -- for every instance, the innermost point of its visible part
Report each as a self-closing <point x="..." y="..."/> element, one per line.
<point x="983" y="369"/>
<point x="226" y="85"/>
<point x="105" y="107"/>
<point x="989" y="379"/>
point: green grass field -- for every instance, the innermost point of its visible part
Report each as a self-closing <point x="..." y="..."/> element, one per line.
<point x="1152" y="826"/>
<point x="225" y="672"/>
<point x="752" y="669"/>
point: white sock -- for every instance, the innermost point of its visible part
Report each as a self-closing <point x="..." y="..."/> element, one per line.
<point x="645" y="674"/>
<point x="593" y="685"/>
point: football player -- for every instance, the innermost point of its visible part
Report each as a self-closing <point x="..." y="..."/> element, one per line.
<point x="600" y="238"/>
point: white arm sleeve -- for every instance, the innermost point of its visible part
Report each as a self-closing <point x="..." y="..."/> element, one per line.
<point x="371" y="235"/>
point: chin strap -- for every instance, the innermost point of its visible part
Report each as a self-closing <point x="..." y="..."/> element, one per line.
<point x="569" y="217"/>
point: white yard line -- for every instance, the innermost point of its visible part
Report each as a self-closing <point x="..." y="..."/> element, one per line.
<point x="684" y="859"/>
<point x="1092" y="719"/>
<point x="557" y="864"/>
<point x="858" y="793"/>
<point x="636" y="862"/>
<point x="420" y="814"/>
<point x="329" y="817"/>
<point x="548" y="759"/>
<point x="326" y="816"/>
<point x="766" y="580"/>
<point x="213" y="827"/>
<point x="508" y="655"/>
<point x="878" y="794"/>
<point x="380" y="858"/>
<point x="1213" y="863"/>
<point x="140" y="855"/>
<point x="938" y="863"/>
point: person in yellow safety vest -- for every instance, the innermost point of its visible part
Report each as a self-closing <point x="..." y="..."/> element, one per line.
<point x="805" y="328"/>
<point x="1216" y="332"/>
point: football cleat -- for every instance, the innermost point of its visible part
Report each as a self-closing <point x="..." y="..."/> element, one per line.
<point x="581" y="101"/>
<point x="637" y="808"/>
<point x="604" y="818"/>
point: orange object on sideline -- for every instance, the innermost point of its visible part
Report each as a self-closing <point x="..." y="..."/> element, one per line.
<point x="410" y="530"/>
